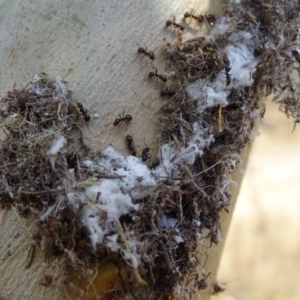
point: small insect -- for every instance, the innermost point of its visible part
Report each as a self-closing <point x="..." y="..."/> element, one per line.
<point x="126" y="119"/>
<point x="169" y="23"/>
<point x="166" y="92"/>
<point x="202" y="284"/>
<point x="72" y="160"/>
<point x="145" y="154"/>
<point x="228" y="78"/>
<point x="163" y="78"/>
<point x="208" y="17"/>
<point x="218" y="287"/>
<point x="211" y="19"/>
<point x="146" y="53"/>
<point x="296" y="55"/>
<point x="84" y="112"/>
<point x="130" y="145"/>
<point x="191" y="14"/>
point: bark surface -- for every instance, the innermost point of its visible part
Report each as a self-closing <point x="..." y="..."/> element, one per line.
<point x="93" y="45"/>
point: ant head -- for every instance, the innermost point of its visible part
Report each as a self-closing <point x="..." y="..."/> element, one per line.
<point x="142" y="49"/>
<point x="146" y="148"/>
<point x="227" y="68"/>
<point x="164" y="92"/>
<point x="128" y="117"/>
<point x="189" y="14"/>
<point x="129" y="138"/>
<point x="151" y="74"/>
<point x="168" y="23"/>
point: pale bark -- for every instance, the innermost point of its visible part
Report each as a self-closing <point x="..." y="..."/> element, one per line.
<point x="93" y="45"/>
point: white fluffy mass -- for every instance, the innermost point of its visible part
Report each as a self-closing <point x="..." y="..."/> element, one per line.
<point x="102" y="203"/>
<point x="57" y="145"/>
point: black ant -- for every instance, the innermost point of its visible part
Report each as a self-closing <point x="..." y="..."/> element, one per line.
<point x="145" y="154"/>
<point x="144" y="51"/>
<point x="169" y="23"/>
<point x="202" y="284"/>
<point x="200" y="19"/>
<point x="209" y="18"/>
<point x="84" y="112"/>
<point x="121" y="119"/>
<point x="72" y="160"/>
<point x="163" y="78"/>
<point x="228" y="78"/>
<point x="296" y="55"/>
<point x="167" y="92"/>
<point x="130" y="145"/>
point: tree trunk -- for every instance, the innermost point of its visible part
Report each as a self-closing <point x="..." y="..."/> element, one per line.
<point x="93" y="45"/>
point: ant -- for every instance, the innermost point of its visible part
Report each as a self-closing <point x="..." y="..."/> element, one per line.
<point x="145" y="153"/>
<point x="209" y="18"/>
<point x="202" y="284"/>
<point x="296" y="55"/>
<point x="84" y="112"/>
<point x="191" y="14"/>
<point x="166" y="92"/>
<point x="72" y="160"/>
<point x="121" y="119"/>
<point x="228" y="78"/>
<point x="163" y="78"/>
<point x="144" y="51"/>
<point x="130" y="145"/>
<point x="169" y="23"/>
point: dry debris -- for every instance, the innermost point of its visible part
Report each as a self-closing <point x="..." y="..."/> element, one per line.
<point x="210" y="107"/>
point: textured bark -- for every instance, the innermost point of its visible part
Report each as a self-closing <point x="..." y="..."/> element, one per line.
<point x="93" y="45"/>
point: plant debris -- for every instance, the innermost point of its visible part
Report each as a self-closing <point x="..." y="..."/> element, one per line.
<point x="149" y="221"/>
